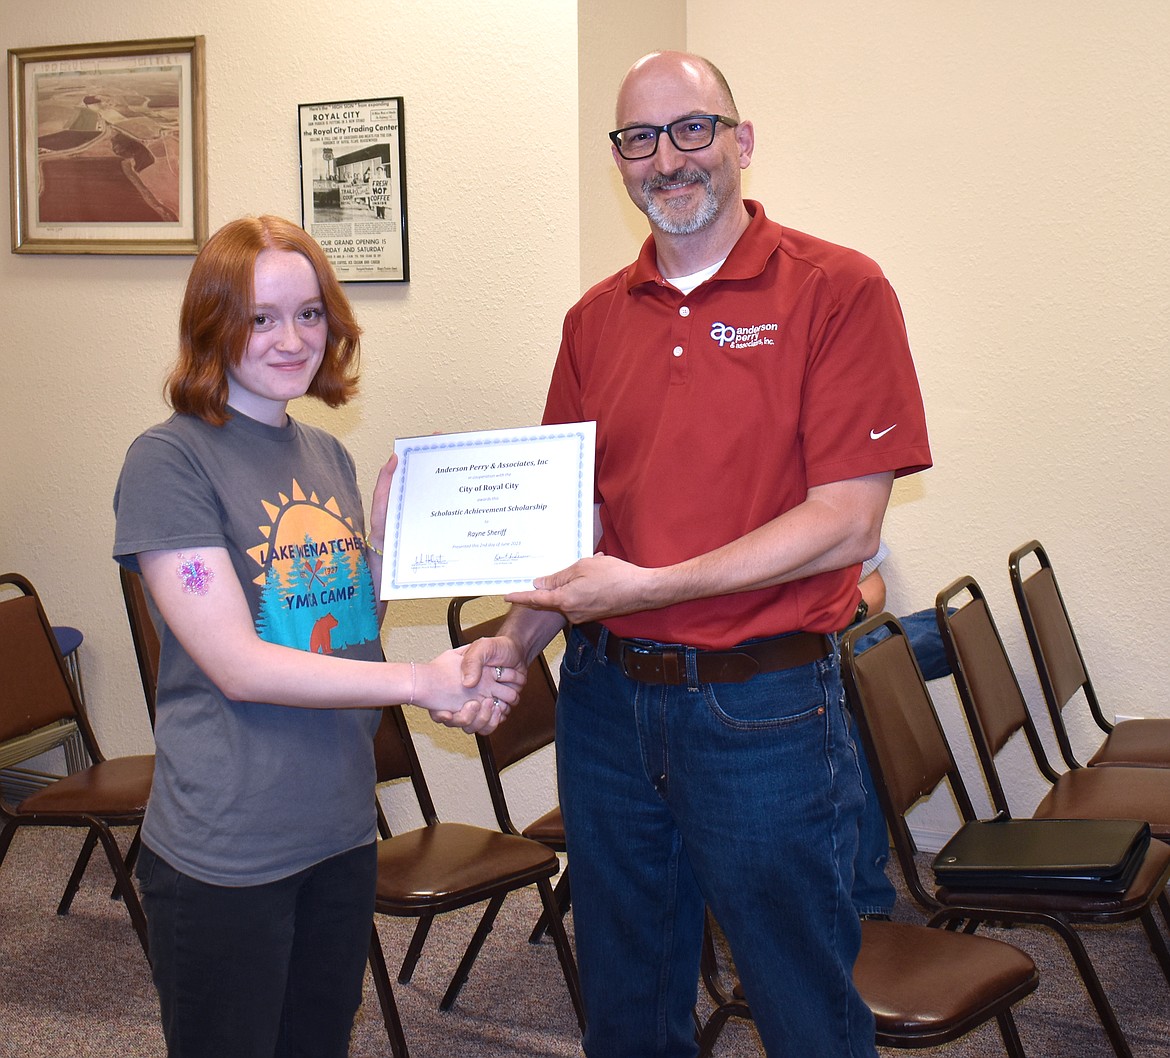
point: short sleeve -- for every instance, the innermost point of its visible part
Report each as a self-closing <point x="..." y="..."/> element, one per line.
<point x="862" y="411"/>
<point x="163" y="502"/>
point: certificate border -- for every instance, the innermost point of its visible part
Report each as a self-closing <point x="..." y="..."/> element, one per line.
<point x="495" y="439"/>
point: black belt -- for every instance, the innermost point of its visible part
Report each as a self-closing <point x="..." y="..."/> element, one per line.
<point x="667" y="663"/>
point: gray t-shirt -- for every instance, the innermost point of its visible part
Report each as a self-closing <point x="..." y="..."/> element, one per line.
<point x="247" y="792"/>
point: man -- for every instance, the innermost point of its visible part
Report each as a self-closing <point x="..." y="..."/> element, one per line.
<point x="741" y="478"/>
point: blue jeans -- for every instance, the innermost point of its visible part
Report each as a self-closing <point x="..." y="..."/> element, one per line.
<point x="264" y="970"/>
<point x="873" y="893"/>
<point x="745" y="796"/>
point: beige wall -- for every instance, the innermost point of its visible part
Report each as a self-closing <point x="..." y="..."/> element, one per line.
<point x="1005" y="163"/>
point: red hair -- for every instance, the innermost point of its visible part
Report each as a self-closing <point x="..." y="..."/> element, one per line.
<point x="215" y="322"/>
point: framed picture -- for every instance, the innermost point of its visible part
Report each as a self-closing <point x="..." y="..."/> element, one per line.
<point x="108" y="147"/>
<point x="353" y="187"/>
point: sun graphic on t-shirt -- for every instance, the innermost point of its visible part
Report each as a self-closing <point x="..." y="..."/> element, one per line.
<point x="299" y="518"/>
<point x="316" y="590"/>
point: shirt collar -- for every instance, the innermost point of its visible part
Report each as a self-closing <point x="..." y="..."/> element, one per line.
<point x="746" y="260"/>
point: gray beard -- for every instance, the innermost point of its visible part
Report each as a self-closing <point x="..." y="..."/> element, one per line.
<point x="666" y="219"/>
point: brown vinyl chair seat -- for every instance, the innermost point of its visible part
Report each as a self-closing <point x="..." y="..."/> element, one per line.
<point x="1111" y="793"/>
<point x="929" y="986"/>
<point x="451" y="865"/>
<point x="549" y="829"/>
<point x="1143" y="743"/>
<point x="1064" y="676"/>
<point x="115" y="790"/>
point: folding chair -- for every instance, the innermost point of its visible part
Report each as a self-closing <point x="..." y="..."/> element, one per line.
<point x="910" y="758"/>
<point x="37" y="699"/>
<point x="442" y="867"/>
<point x="143" y="633"/>
<point x="530" y="727"/>
<point x="1061" y="668"/>
<point x="925" y="986"/>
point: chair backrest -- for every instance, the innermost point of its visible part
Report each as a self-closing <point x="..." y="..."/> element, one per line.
<point x="904" y="741"/>
<point x="993" y="703"/>
<point x="531" y="723"/>
<point x="38" y="700"/>
<point x="396" y="758"/>
<point x="143" y="633"/>
<point x="1060" y="665"/>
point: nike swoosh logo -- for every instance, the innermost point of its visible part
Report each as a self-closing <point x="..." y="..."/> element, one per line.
<point x="877" y="435"/>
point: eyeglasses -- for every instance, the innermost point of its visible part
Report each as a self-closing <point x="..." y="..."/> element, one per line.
<point x="691" y="133"/>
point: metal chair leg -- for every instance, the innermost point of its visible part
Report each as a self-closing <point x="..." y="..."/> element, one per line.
<point x="406" y="971"/>
<point x="463" y="971"/>
<point x="560" y="938"/>
<point x="561" y="892"/>
<point x="386" y="1001"/>
<point x="79" y="867"/>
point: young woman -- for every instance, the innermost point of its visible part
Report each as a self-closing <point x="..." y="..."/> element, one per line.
<point x="258" y="859"/>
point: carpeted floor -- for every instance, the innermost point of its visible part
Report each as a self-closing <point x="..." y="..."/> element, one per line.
<point x="79" y="985"/>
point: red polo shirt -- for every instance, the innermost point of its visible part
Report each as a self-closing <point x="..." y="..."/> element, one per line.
<point x="718" y="410"/>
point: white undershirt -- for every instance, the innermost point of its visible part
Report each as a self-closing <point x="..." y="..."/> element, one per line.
<point x="688" y="283"/>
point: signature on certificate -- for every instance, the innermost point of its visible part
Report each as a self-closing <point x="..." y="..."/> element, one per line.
<point x="428" y="562"/>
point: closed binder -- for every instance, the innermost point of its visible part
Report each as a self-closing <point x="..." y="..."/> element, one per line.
<point x="1039" y="855"/>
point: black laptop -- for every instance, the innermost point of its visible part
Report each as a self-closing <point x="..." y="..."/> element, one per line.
<point x="1044" y="855"/>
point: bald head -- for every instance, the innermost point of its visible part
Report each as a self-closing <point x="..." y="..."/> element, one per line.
<point x="669" y="72"/>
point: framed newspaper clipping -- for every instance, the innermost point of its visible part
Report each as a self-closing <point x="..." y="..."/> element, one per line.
<point x="353" y="187"/>
<point x="108" y="147"/>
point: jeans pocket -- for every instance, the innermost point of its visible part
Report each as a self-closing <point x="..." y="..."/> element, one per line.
<point x="144" y="868"/>
<point x="771" y="700"/>
<point x="579" y="656"/>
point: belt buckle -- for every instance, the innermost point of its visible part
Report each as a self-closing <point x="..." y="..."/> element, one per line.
<point x="653" y="664"/>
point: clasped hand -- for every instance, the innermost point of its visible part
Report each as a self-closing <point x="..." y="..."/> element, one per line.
<point x="490" y="677"/>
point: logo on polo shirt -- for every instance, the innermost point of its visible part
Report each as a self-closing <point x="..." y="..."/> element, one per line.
<point x="727" y="336"/>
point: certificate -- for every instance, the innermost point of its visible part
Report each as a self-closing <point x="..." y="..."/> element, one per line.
<point x="486" y="513"/>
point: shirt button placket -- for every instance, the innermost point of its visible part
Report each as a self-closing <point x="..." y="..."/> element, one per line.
<point x="681" y="334"/>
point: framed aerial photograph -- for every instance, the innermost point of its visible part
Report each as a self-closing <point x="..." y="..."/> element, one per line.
<point x="353" y="187"/>
<point x="108" y="147"/>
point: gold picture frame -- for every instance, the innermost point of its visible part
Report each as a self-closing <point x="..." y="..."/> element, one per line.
<point x="108" y="147"/>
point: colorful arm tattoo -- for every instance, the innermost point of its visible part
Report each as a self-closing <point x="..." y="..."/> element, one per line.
<point x="195" y="575"/>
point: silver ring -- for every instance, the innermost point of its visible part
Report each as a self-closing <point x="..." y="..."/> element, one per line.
<point x="497" y="703"/>
<point x="499" y="672"/>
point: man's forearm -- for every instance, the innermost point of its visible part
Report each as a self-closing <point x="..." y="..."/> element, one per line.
<point x="530" y="629"/>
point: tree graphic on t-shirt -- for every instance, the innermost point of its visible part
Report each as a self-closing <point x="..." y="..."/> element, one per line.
<point x="269" y="602"/>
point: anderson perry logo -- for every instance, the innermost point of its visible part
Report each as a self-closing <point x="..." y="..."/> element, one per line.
<point x="726" y="336"/>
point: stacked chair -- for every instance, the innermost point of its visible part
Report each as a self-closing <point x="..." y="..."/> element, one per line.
<point x="910" y="758"/>
<point x="1062" y="671"/>
<point x="38" y="699"/>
